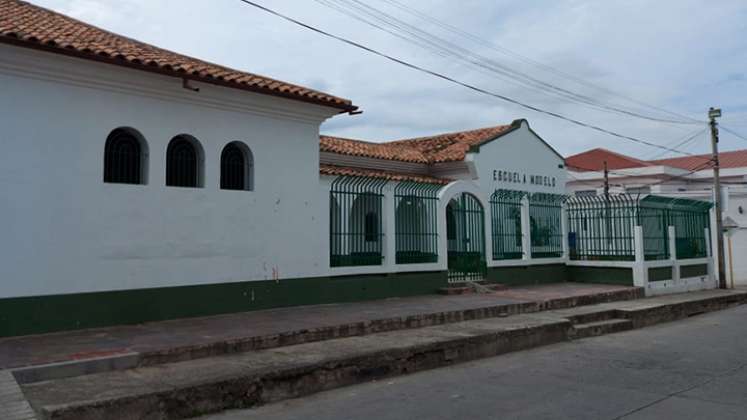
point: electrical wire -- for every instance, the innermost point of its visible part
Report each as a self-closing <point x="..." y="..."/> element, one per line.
<point x="734" y="133"/>
<point x="458" y="82"/>
<point x="455" y="30"/>
<point x="392" y="25"/>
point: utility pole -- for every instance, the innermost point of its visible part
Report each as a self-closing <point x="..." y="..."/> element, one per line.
<point x="606" y="181"/>
<point x="714" y="113"/>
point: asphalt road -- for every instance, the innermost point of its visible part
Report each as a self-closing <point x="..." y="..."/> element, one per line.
<point x="691" y="369"/>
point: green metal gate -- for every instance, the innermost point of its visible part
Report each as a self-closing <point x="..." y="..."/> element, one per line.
<point x="465" y="235"/>
<point x="356" y="231"/>
<point x="416" y="220"/>
<point x="546" y="232"/>
<point x="505" y="212"/>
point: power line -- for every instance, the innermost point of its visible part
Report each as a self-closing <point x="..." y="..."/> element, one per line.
<point x="689" y="138"/>
<point x="392" y="25"/>
<point x="733" y="132"/>
<point x="495" y="47"/>
<point x="460" y="83"/>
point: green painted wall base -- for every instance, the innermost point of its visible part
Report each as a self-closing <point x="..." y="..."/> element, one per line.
<point x="41" y="314"/>
<point x="601" y="275"/>
<point x="528" y="274"/>
<point x="660" y="273"/>
<point x="696" y="270"/>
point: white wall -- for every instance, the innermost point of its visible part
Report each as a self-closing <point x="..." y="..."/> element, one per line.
<point x="519" y="151"/>
<point x="65" y="231"/>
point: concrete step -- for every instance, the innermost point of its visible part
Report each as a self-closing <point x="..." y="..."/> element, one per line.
<point x="206" y="385"/>
<point x="461" y="289"/>
<point x="596" y="328"/>
<point x="290" y="337"/>
<point x="592" y="315"/>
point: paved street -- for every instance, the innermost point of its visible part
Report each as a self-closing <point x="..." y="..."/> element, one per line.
<point x="692" y="369"/>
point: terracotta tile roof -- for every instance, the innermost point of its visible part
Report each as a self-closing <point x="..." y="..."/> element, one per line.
<point x="593" y="160"/>
<point x="27" y="25"/>
<point x="447" y="147"/>
<point x="375" y="173"/>
<point x="450" y="147"/>
<point x="361" y="148"/>
<point x="733" y="159"/>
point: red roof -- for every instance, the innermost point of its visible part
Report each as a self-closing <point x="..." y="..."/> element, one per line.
<point x="26" y="25"/>
<point x="733" y="159"/>
<point x="376" y="173"/>
<point x="447" y="147"/>
<point x="593" y="160"/>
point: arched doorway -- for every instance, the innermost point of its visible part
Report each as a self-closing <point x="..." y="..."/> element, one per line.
<point x="465" y="236"/>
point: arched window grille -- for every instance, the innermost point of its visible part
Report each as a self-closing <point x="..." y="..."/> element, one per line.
<point x="236" y="167"/>
<point x="123" y="158"/>
<point x="182" y="163"/>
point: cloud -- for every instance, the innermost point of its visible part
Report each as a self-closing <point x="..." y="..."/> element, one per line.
<point x="661" y="53"/>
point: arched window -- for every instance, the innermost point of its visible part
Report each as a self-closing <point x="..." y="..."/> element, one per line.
<point x="236" y="167"/>
<point x="123" y="158"/>
<point x="183" y="162"/>
<point x="371" y="227"/>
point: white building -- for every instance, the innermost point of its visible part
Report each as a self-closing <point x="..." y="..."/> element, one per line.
<point x="683" y="177"/>
<point x="139" y="184"/>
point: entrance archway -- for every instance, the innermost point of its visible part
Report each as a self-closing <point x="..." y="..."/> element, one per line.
<point x="465" y="236"/>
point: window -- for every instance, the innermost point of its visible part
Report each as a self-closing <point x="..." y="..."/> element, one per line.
<point x="371" y="228"/>
<point x="236" y="169"/>
<point x="183" y="162"/>
<point x="451" y="229"/>
<point x="123" y="157"/>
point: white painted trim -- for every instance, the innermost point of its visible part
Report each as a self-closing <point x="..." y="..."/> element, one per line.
<point x="516" y="263"/>
<point x="611" y="264"/>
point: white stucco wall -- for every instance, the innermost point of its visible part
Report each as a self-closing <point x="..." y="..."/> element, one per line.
<point x="66" y="231"/>
<point x="522" y="152"/>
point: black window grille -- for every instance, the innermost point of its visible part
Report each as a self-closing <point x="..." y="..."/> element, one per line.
<point x="182" y="163"/>
<point x="122" y="158"/>
<point x="234" y="168"/>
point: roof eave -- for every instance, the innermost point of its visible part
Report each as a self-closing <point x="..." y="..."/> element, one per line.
<point x="344" y="108"/>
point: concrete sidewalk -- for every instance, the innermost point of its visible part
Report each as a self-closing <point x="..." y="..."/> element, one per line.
<point x="241" y="380"/>
<point x="185" y="339"/>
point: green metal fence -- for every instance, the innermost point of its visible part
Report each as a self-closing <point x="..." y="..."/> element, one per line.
<point x="416" y="221"/>
<point x="545" y="214"/>
<point x="356" y="230"/>
<point x="602" y="228"/>
<point x="505" y="215"/>
<point x="465" y="233"/>
<point x="690" y="218"/>
<point x="655" y="227"/>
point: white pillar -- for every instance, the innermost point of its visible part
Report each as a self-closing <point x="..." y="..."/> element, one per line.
<point x="389" y="223"/>
<point x="673" y="253"/>
<point x="564" y="230"/>
<point x="526" y="229"/>
<point x="640" y="273"/>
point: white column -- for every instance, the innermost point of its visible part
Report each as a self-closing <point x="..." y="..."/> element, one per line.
<point x="526" y="237"/>
<point x="673" y="253"/>
<point x="389" y="222"/>
<point x="564" y="229"/>
<point x="640" y="273"/>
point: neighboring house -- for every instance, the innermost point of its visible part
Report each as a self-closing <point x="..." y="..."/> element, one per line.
<point x="141" y="184"/>
<point x="683" y="177"/>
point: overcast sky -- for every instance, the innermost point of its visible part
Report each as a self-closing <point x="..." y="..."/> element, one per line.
<point x="678" y="55"/>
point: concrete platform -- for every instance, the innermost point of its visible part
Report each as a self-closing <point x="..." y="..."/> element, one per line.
<point x="185" y="339"/>
<point x="210" y="384"/>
